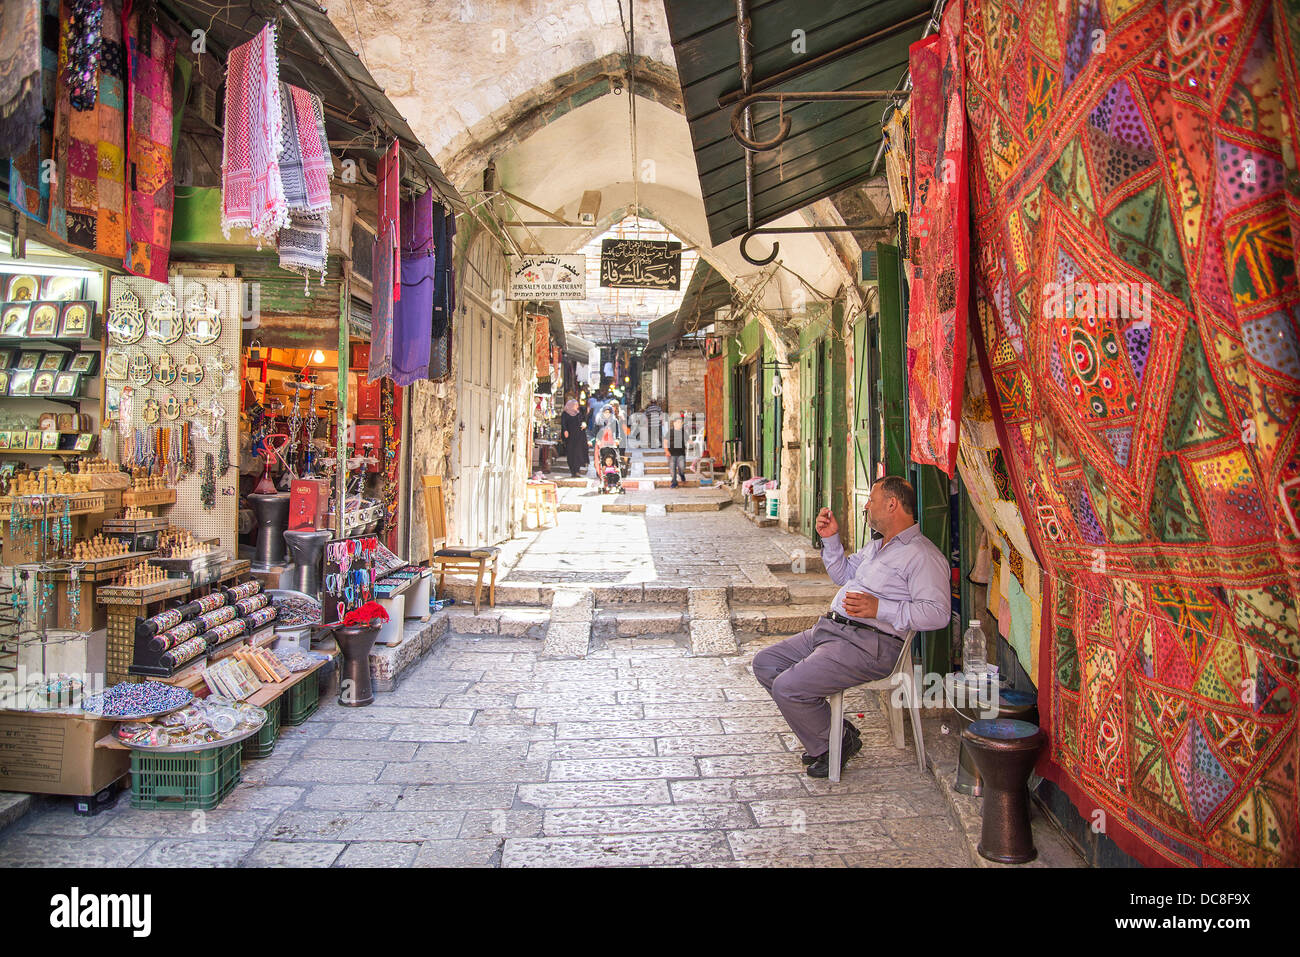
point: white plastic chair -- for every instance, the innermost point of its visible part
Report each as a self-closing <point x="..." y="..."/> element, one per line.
<point x="902" y="678"/>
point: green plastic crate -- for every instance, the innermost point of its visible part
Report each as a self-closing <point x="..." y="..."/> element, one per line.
<point x="300" y="702"/>
<point x="263" y="743"/>
<point x="191" y="781"/>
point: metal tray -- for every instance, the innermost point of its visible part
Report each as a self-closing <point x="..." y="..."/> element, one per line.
<point x="133" y="717"/>
<point x="290" y="593"/>
<point x="187" y="748"/>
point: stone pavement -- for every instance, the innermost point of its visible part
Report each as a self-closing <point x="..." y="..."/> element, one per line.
<point x="488" y="754"/>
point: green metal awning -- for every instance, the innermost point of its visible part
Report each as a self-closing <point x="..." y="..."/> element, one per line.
<point x="706" y="293"/>
<point x="831" y="144"/>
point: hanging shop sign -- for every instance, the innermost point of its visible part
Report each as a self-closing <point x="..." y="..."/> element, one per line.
<point x="549" y="276"/>
<point x="640" y="263"/>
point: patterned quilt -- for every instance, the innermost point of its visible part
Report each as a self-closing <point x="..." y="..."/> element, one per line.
<point x="1137" y="218"/>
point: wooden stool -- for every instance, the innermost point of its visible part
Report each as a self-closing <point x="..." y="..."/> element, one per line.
<point x="542" y="497"/>
<point x="482" y="558"/>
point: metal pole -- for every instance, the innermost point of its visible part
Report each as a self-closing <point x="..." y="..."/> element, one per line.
<point x="341" y="405"/>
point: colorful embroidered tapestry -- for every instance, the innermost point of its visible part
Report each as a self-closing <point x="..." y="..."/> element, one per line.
<point x="88" y="201"/>
<point x="252" y="194"/>
<point x="149" y="148"/>
<point x="939" y="267"/>
<point x="29" y="191"/>
<point x="1137" y="224"/>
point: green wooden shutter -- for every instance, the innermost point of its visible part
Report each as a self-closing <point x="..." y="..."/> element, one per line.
<point x="893" y="361"/>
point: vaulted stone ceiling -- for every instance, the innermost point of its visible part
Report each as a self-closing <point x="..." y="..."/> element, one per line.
<point x="539" y="88"/>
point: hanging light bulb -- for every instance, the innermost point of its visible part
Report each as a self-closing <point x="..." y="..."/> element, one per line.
<point x="318" y="357"/>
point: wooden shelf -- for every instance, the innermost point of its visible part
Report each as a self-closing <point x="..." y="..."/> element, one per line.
<point x="43" y="452"/>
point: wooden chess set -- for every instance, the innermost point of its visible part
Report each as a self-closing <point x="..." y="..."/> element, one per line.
<point x="49" y="482"/>
<point x="142" y="481"/>
<point x="98" y="548"/>
<point x="142" y="575"/>
<point x="176" y="542"/>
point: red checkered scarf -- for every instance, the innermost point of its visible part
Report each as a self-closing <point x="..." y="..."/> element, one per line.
<point x="252" y="195"/>
<point x="317" y="170"/>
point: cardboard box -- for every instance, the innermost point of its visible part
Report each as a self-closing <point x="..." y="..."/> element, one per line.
<point x="50" y="752"/>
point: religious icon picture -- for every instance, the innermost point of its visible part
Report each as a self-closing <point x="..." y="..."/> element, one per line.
<point x="84" y="441"/>
<point x="49" y="441"/>
<point x="13" y="321"/>
<point x="6" y="358"/>
<point x="43" y="383"/>
<point x="67" y="384"/>
<point x="4" y="440"/>
<point x="44" y="319"/>
<point x="63" y="288"/>
<point x="23" y="289"/>
<point x="65" y="420"/>
<point x="29" y="360"/>
<point x="20" y="382"/>
<point x="52" y="362"/>
<point x="47" y="421"/>
<point x="84" y="363"/>
<point x="4" y="382"/>
<point x="33" y="441"/>
<point x="74" y="323"/>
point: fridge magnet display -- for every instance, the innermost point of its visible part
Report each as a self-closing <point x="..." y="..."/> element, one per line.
<point x="191" y="370"/>
<point x="141" y="369"/>
<point x="13" y="321"/>
<point x="84" y="363"/>
<point x="23" y="289"/>
<point x="52" y="362"/>
<point x="164" y="323"/>
<point x="44" y="320"/>
<point x="115" y="365"/>
<point x="67" y="384"/>
<point x="20" y="382"/>
<point x="43" y="383"/>
<point x="74" y="323"/>
<point x="126" y="319"/>
<point x="63" y="288"/>
<point x="165" y="369"/>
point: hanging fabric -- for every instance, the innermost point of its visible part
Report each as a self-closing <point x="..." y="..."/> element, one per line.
<point x="84" y="48"/>
<point x="940" y="266"/>
<point x="20" y="74"/>
<point x="305" y="171"/>
<point x="252" y="192"/>
<point x="380" y="363"/>
<point x="29" y="191"/>
<point x="151" y="56"/>
<point x="389" y="175"/>
<point x="444" y="285"/>
<point x="413" y="313"/>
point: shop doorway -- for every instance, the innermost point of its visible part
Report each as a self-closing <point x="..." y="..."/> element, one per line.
<point x="481" y="451"/>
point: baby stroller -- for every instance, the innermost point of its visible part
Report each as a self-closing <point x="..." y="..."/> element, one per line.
<point x="611" y="475"/>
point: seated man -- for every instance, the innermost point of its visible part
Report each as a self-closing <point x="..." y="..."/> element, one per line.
<point x="895" y="584"/>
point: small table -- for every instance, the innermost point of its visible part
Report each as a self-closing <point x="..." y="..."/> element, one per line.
<point x="542" y="497"/>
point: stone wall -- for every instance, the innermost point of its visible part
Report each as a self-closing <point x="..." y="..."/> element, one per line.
<point x="686" y="369"/>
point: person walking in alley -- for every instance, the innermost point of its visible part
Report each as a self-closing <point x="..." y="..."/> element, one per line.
<point x="675" y="448"/>
<point x="897" y="583"/>
<point x="574" y="431"/>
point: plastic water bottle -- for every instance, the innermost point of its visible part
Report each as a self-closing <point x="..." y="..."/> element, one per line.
<point x="973" y="653"/>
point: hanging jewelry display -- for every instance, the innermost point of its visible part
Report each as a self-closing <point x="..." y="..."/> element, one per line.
<point x="208" y="490"/>
<point x="223" y="450"/>
<point x="171" y="407"/>
<point x="191" y="370"/>
<point x="141" y="369"/>
<point x="126" y="319"/>
<point x="74" y="594"/>
<point x="202" y="320"/>
<point x="115" y="364"/>
<point x="164" y="322"/>
<point x="390" y="454"/>
<point x="190" y="407"/>
<point x="152" y="410"/>
<point x="187" y="448"/>
<point x="165" y="370"/>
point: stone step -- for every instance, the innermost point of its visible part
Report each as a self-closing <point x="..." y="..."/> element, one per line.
<point x="625" y="507"/>
<point x="625" y="623"/>
<point x="775" y="619"/>
<point x="517" y="621"/>
<point x="532" y="595"/>
<point x="650" y="593"/>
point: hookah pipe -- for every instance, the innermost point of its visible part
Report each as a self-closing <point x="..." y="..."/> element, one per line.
<point x="272" y="450"/>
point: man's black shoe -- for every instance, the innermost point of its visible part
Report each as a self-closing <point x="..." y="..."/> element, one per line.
<point x="849" y="728"/>
<point x="821" y="768"/>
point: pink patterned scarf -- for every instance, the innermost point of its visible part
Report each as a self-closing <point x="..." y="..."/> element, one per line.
<point x="252" y="194"/>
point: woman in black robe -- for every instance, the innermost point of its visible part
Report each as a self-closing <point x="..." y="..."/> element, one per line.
<point x="573" y="429"/>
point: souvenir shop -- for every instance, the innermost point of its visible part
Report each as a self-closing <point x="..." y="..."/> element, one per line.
<point x="202" y="371"/>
